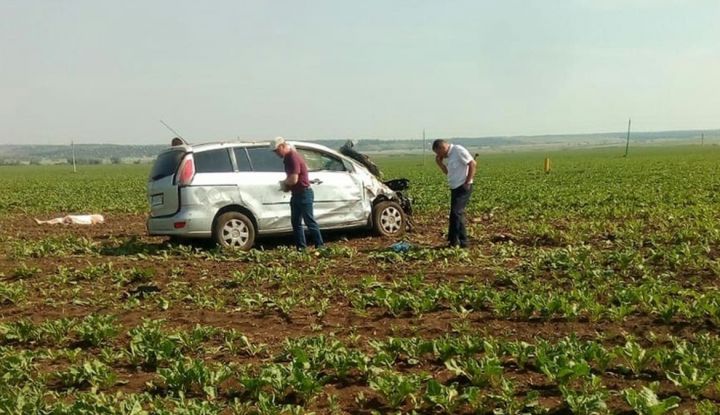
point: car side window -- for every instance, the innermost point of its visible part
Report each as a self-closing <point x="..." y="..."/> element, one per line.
<point x="241" y="159"/>
<point x="263" y="159"/>
<point x="317" y="161"/>
<point x="213" y="161"/>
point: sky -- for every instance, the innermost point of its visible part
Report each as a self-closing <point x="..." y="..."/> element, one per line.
<point x="108" y="71"/>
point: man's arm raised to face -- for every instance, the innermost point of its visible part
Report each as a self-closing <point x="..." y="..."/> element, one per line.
<point x="441" y="165"/>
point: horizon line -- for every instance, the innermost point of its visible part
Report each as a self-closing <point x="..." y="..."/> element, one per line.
<point x="394" y="139"/>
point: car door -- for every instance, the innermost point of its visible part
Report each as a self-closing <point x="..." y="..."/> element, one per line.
<point x="261" y="188"/>
<point x="338" y="192"/>
<point x="162" y="189"/>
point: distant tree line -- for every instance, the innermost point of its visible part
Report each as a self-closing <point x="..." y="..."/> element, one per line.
<point x="135" y="154"/>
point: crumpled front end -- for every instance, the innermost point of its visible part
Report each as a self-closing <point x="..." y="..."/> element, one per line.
<point x="377" y="191"/>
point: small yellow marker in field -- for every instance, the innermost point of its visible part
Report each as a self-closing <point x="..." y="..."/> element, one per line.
<point x="546" y="166"/>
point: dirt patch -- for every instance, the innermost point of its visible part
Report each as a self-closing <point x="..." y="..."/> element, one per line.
<point x="134" y="277"/>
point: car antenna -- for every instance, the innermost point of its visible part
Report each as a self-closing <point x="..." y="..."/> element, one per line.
<point x="173" y="131"/>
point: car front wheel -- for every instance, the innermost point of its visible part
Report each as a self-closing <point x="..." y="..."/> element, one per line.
<point x="389" y="219"/>
<point x="234" y="230"/>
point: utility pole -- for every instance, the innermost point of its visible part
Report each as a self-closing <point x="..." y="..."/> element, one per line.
<point x="627" y="144"/>
<point x="702" y="139"/>
<point x="72" y="144"/>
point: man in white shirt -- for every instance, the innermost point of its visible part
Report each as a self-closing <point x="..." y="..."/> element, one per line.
<point x="460" y="170"/>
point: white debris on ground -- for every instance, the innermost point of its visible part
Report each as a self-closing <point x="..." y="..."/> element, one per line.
<point x="74" y="219"/>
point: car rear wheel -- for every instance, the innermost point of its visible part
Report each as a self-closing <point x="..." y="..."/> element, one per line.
<point x="389" y="219"/>
<point x="234" y="230"/>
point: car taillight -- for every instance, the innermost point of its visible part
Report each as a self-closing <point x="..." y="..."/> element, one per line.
<point x="186" y="171"/>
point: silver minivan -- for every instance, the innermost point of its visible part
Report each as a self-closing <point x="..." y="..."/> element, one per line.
<point x="230" y="192"/>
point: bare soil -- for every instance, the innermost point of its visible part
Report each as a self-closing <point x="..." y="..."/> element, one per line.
<point x="272" y="328"/>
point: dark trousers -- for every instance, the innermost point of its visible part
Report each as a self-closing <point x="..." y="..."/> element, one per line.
<point x="457" y="234"/>
<point x="301" y="210"/>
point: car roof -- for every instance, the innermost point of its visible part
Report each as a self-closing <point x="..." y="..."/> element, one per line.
<point x="244" y="144"/>
<point x="259" y="144"/>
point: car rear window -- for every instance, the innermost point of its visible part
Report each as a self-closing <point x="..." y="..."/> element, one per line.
<point x="263" y="159"/>
<point x="166" y="164"/>
<point x="213" y="161"/>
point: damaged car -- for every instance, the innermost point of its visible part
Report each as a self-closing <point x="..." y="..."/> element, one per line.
<point x="229" y="191"/>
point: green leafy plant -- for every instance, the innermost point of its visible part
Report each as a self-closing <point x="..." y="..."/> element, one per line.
<point x="90" y="373"/>
<point x="507" y="403"/>
<point x="97" y="329"/>
<point x="706" y="407"/>
<point x="193" y="376"/>
<point x="635" y="357"/>
<point x="559" y="366"/>
<point x="23" y="271"/>
<point x="396" y="388"/>
<point x="21" y="331"/>
<point x="692" y="378"/>
<point x="590" y="399"/>
<point x="445" y="398"/>
<point x="16" y="368"/>
<point x="646" y="402"/>
<point x="520" y="351"/>
<point x="192" y="340"/>
<point x="306" y="383"/>
<point x="57" y="331"/>
<point x="150" y="345"/>
<point x="12" y="292"/>
<point x="486" y="371"/>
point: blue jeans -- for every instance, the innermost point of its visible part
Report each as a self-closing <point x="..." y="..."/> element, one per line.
<point x="457" y="234"/>
<point x="301" y="209"/>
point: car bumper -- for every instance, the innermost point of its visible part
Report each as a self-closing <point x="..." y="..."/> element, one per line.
<point x="185" y="223"/>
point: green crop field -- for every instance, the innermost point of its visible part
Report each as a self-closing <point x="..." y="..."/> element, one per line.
<point x="592" y="289"/>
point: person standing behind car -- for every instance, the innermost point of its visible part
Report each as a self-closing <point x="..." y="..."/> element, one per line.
<point x="177" y="141"/>
<point x="301" y="201"/>
<point x="460" y="171"/>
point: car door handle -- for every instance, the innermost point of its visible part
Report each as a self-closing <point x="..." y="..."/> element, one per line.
<point x="316" y="181"/>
